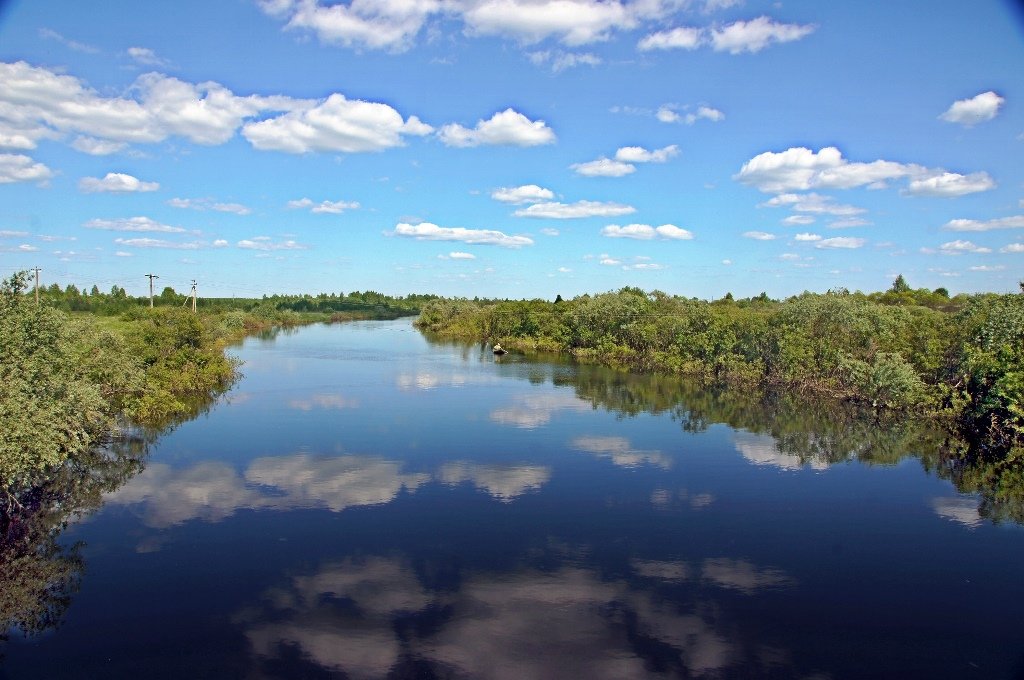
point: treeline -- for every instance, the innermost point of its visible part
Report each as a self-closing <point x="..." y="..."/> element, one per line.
<point x="368" y="304"/>
<point x="962" y="358"/>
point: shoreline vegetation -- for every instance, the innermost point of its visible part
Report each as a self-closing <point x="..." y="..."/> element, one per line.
<point x="79" y="369"/>
<point x="904" y="352"/>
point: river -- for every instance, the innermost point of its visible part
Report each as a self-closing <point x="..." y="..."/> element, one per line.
<point x="367" y="502"/>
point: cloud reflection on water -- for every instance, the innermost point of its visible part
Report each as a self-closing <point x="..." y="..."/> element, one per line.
<point x="620" y="452"/>
<point x="561" y="623"/>
<point x="213" y="491"/>
<point x="764" y="450"/>
<point x="529" y="411"/>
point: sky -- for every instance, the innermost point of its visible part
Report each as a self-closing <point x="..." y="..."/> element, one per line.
<point x="513" y="148"/>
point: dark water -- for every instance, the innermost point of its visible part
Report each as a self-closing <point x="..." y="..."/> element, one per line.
<point x="366" y="504"/>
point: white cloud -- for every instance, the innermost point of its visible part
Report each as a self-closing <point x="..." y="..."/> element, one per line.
<point x="146" y="56"/>
<point x="559" y="60"/>
<point x="682" y="37"/>
<point x="759" y="235"/>
<point x="603" y="167"/>
<point x="573" y="22"/>
<point x="977" y="109"/>
<point x="116" y="182"/>
<point x="335" y="124"/>
<point x="988" y="268"/>
<point x="810" y="203"/>
<point x="950" y="184"/>
<point x="208" y="204"/>
<point x="23" y="248"/>
<point x="1012" y="248"/>
<point x="756" y="34"/>
<point x="727" y="262"/>
<point x="959" y="247"/>
<point x="141" y="224"/>
<point x="667" y="114"/>
<point x="1013" y="222"/>
<point x="97" y="147"/>
<point x="19" y="168"/>
<point x="638" y="154"/>
<point x="386" y="25"/>
<point x="848" y="222"/>
<point x="50" y="34"/>
<point x="122" y="253"/>
<point x="220" y="243"/>
<point x="800" y="169"/>
<point x="425" y="231"/>
<point x="807" y="237"/>
<point x="157" y="243"/>
<point x="329" y="207"/>
<point x="579" y="209"/>
<point x="461" y="256"/>
<point x="527" y="193"/>
<point x="264" y="243"/>
<point x="620" y="451"/>
<point x="7" y="233"/>
<point x="841" y="242"/>
<point x="548" y="231"/>
<point x="646" y="232"/>
<point x="506" y="128"/>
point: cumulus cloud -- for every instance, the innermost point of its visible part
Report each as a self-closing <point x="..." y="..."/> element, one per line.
<point x="807" y="237"/>
<point x="573" y="22"/>
<point x="638" y="154"/>
<point x="527" y="193"/>
<point x="116" y="182"/>
<point x="335" y="124"/>
<point x="667" y="113"/>
<point x="146" y="57"/>
<point x="146" y="242"/>
<point x="579" y="209"/>
<point x="209" y="204"/>
<point x="330" y="207"/>
<point x="798" y="219"/>
<point x="19" y="168"/>
<point x="759" y="235"/>
<point x="603" y="167"/>
<point x="133" y="224"/>
<point x="950" y="184"/>
<point x="391" y="26"/>
<point x="425" y="231"/>
<point x="1012" y="222"/>
<point x="959" y="247"/>
<point x="988" y="268"/>
<point x="844" y="242"/>
<point x="559" y="60"/>
<point x="756" y="34"/>
<point x="682" y="37"/>
<point x="847" y="222"/>
<point x="97" y="147"/>
<point x="1012" y="248"/>
<point x="505" y="128"/>
<point x="457" y="255"/>
<point x="646" y="232"/>
<point x="977" y="109"/>
<point x="47" y="104"/>
<point x="800" y="169"/>
<point x="265" y="243"/>
<point x="811" y="203"/>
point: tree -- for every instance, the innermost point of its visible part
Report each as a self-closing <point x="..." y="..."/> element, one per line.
<point x="900" y="285"/>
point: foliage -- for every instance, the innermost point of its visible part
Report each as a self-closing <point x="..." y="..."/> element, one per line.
<point x="903" y="350"/>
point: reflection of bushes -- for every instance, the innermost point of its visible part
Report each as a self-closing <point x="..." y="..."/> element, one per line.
<point x="38" y="575"/>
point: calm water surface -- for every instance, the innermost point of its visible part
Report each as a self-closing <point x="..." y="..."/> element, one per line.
<point x="368" y="504"/>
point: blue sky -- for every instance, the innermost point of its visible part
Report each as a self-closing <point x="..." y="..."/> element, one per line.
<point x="513" y="148"/>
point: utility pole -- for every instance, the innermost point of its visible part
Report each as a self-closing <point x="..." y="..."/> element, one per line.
<point x="37" y="270"/>
<point x="151" y="277"/>
<point x="193" y="296"/>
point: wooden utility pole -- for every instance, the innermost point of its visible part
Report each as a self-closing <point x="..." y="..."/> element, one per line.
<point x="37" y="270"/>
<point x="151" y="277"/>
<point x="193" y="296"/>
